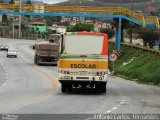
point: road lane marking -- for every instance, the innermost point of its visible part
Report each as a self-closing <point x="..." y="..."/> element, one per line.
<point x="121" y="102"/>
<point x="114" y="108"/>
<point x="50" y="78"/>
<point x="108" y="111"/>
<point x="55" y="86"/>
<point x="118" y="105"/>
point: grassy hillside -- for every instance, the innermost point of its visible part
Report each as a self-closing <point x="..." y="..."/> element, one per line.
<point x="140" y="66"/>
<point x="136" y="5"/>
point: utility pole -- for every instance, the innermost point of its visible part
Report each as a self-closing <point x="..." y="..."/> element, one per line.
<point x="131" y="23"/>
<point x="20" y="17"/>
<point x="159" y="39"/>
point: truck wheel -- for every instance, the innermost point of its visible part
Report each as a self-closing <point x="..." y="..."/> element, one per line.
<point x="63" y="88"/>
<point x="35" y="60"/>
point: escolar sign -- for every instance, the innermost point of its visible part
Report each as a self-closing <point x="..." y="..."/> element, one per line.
<point x="93" y="66"/>
<point x="113" y="57"/>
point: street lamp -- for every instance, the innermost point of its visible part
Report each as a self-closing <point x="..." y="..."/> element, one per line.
<point x="20" y="17"/>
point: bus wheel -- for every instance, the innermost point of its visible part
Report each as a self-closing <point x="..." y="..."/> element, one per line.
<point x="97" y="88"/>
<point x="69" y="87"/>
<point x="103" y="88"/>
<point x="63" y="88"/>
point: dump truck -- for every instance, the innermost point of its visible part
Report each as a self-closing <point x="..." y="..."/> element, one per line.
<point x="83" y="61"/>
<point x="46" y="53"/>
<point x="54" y="38"/>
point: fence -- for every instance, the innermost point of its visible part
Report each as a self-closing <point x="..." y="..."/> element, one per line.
<point x="24" y="35"/>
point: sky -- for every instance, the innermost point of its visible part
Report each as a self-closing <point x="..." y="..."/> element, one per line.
<point x="53" y="1"/>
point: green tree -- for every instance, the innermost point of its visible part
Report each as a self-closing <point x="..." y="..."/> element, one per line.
<point x="28" y="2"/>
<point x="109" y="32"/>
<point x="11" y="2"/>
<point x="4" y="19"/>
<point x="50" y="20"/>
<point x="81" y="27"/>
<point x="1" y="1"/>
<point x="149" y="36"/>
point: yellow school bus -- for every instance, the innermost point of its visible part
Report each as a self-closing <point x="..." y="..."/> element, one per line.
<point x="83" y="61"/>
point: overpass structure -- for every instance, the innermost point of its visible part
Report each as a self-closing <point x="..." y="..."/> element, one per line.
<point x="118" y="13"/>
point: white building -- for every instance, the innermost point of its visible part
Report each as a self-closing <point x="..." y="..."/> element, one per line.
<point x="39" y="8"/>
<point x="58" y="29"/>
<point x="16" y="2"/>
<point x="0" y="17"/>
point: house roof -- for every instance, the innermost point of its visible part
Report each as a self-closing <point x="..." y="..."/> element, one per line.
<point x="37" y="23"/>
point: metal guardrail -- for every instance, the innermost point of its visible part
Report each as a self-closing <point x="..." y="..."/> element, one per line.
<point x="83" y="10"/>
<point x="151" y="50"/>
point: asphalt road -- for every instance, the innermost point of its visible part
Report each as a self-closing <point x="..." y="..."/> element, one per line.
<point x="26" y="88"/>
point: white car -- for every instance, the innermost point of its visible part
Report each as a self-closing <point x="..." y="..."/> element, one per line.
<point x="4" y="47"/>
<point x="11" y="53"/>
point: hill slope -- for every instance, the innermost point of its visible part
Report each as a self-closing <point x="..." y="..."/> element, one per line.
<point x="137" y="4"/>
<point x="24" y="1"/>
<point x="138" y="65"/>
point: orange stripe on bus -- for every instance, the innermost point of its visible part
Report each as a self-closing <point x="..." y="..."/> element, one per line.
<point x="83" y="64"/>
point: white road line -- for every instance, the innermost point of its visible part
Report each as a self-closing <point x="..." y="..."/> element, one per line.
<point x="122" y="102"/>
<point x="114" y="108"/>
<point x="118" y="105"/>
<point x="108" y="111"/>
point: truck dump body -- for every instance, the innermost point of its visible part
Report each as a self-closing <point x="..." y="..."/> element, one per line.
<point x="46" y="53"/>
<point x="54" y="38"/>
<point x="83" y="60"/>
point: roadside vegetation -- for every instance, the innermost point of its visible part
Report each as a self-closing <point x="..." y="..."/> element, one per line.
<point x="137" y="65"/>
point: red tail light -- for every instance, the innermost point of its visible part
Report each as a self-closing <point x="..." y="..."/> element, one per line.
<point x="97" y="73"/>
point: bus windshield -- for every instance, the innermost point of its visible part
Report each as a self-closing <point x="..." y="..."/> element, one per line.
<point x="83" y="44"/>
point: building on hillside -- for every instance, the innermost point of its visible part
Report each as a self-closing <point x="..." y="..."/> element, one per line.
<point x="73" y="23"/>
<point x="16" y="2"/>
<point x="39" y="8"/>
<point x="98" y="26"/>
<point x="57" y="29"/>
<point x="38" y="27"/>
<point x="65" y="19"/>
<point x="89" y="22"/>
<point x="0" y="17"/>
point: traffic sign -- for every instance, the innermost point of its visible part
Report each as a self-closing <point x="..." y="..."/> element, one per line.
<point x="113" y="57"/>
